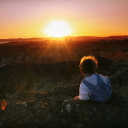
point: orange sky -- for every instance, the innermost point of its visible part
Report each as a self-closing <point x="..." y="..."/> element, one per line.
<point x="27" y="18"/>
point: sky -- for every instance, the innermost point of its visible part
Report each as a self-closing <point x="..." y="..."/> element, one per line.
<point x="28" y="18"/>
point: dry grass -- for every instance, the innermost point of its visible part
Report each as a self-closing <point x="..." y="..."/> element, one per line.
<point x="116" y="55"/>
<point x="122" y="90"/>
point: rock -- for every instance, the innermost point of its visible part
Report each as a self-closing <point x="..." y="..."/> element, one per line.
<point x="56" y="108"/>
<point x="93" y="114"/>
<point x="104" y="63"/>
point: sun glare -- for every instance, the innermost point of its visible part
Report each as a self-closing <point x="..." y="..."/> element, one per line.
<point x="58" y="29"/>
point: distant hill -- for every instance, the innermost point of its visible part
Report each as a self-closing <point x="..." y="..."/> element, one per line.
<point x="94" y="38"/>
<point x="87" y="38"/>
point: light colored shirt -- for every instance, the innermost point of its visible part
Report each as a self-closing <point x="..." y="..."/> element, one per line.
<point x="84" y="93"/>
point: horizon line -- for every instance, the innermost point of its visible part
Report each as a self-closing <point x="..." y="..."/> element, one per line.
<point x="64" y="37"/>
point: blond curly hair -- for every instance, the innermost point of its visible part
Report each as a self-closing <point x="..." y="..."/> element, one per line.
<point x="88" y="64"/>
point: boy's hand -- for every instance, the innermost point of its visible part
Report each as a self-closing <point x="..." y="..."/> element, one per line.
<point x="76" y="98"/>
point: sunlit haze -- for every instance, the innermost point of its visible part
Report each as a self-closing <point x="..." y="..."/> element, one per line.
<point x="34" y="18"/>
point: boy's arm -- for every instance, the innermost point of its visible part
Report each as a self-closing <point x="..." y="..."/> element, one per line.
<point x="83" y="93"/>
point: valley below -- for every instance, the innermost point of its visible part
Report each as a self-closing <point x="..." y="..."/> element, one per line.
<point x="39" y="79"/>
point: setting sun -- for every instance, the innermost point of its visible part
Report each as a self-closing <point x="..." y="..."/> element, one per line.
<point x="58" y="29"/>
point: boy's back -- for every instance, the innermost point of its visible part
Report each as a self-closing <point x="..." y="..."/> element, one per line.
<point x="98" y="87"/>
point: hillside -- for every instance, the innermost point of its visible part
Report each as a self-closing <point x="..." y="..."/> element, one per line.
<point x="39" y="80"/>
<point x="60" y="51"/>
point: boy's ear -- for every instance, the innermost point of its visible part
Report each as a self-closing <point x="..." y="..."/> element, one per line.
<point x="81" y="71"/>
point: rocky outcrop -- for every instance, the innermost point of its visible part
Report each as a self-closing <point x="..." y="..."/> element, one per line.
<point x="57" y="109"/>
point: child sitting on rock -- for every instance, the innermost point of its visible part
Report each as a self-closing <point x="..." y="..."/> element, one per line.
<point x="94" y="86"/>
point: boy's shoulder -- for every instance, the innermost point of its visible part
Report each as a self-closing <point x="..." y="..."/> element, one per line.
<point x="93" y="78"/>
<point x="102" y="76"/>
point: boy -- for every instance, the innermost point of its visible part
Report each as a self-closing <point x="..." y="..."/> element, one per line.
<point x="94" y="86"/>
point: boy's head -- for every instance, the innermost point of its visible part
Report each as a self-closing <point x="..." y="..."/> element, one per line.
<point x="88" y="64"/>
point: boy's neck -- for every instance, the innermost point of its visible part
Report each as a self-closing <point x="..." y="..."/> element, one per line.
<point x="86" y="74"/>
